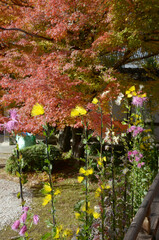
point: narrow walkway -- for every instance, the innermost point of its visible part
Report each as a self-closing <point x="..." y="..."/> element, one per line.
<point x="10" y="205"/>
<point x="5" y="151"/>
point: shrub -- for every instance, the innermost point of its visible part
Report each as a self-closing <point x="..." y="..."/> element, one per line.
<point x="33" y="158"/>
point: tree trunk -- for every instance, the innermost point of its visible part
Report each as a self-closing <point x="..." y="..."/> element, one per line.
<point x="77" y="144"/>
<point x="65" y="139"/>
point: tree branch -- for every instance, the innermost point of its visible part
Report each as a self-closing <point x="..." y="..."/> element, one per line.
<point x="141" y="58"/>
<point x="16" y="3"/>
<point x="27" y="33"/>
<point x="126" y="59"/>
<point x="151" y="40"/>
<point x="121" y="62"/>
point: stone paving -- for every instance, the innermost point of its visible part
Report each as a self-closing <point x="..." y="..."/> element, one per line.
<point x="5" y="151"/>
<point x="10" y="205"/>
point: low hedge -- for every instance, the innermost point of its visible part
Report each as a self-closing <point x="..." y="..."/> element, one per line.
<point x="33" y="158"/>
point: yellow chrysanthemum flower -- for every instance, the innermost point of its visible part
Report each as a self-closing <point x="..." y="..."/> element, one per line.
<point x="103" y="186"/>
<point x="98" y="192"/>
<point x="147" y="130"/>
<point x="129" y="95"/>
<point x="67" y="233"/>
<point x="46" y="200"/>
<point x="57" y="192"/>
<point x="58" y="230"/>
<point x="89" y="172"/>
<point x="143" y="95"/>
<point x="47" y="188"/>
<point x="95" y="101"/>
<point x="80" y="179"/>
<point x="138" y="122"/>
<point x="37" y="110"/>
<point x="127" y="92"/>
<point x="107" y="186"/>
<point x="145" y="138"/>
<point x="77" y="231"/>
<point x="83" y="208"/>
<point x="100" y="163"/>
<point x="96" y="215"/>
<point x="82" y="171"/>
<point x="131" y="89"/>
<point x="78" y="111"/>
<point x="90" y="211"/>
<point x="102" y="159"/>
<point x="57" y="236"/>
<point x="131" y="92"/>
<point x="74" y="113"/>
<point x="77" y="215"/>
<point x="137" y="116"/>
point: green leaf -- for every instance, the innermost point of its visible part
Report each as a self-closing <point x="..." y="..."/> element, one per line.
<point x="45" y="127"/>
<point x="47" y="161"/>
<point x="18" y="174"/>
<point x="82" y="159"/>
<point x="44" y="133"/>
<point x="24" y="179"/>
<point x="18" y="195"/>
<point x="78" y="205"/>
<point x="50" y="166"/>
<point x="84" y="141"/>
<point x="51" y="133"/>
<point x="98" y="138"/>
<point x="46" y="236"/>
<point x="45" y="168"/>
<point x="48" y="149"/>
<point x="90" y="135"/>
<point x="49" y="223"/>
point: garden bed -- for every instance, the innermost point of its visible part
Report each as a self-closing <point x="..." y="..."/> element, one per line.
<point x="71" y="192"/>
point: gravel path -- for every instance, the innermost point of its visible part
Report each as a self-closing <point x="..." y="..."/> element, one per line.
<point x="10" y="208"/>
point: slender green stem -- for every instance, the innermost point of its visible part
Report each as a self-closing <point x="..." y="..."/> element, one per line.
<point x="125" y="203"/>
<point x="113" y="174"/>
<point x="86" y="178"/>
<point x="101" y="134"/>
<point x="133" y="193"/>
<point x="101" y="151"/>
<point x="50" y="180"/>
<point x="20" y="179"/>
<point x="102" y="215"/>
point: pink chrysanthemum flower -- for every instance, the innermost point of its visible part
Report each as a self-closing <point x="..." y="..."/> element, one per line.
<point x="15" y="225"/>
<point x="135" y="130"/>
<point x="23" y="217"/>
<point x="23" y="230"/>
<point x="11" y="125"/>
<point x="138" y="101"/>
<point x="35" y="219"/>
<point x="135" y="156"/>
<point x="13" y="114"/>
<point x="25" y="209"/>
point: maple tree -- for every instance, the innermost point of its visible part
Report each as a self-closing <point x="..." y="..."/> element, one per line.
<point x="63" y="53"/>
